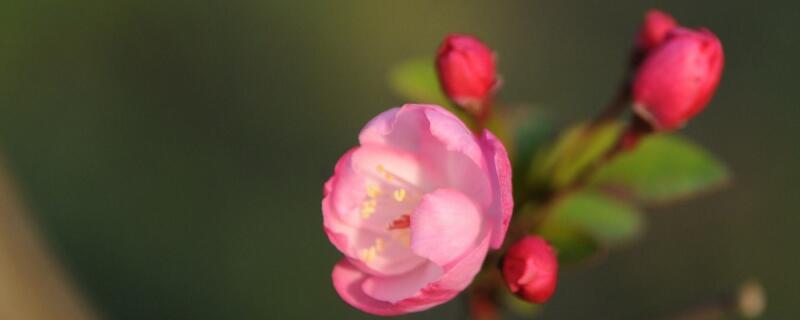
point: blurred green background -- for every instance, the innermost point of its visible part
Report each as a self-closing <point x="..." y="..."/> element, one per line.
<point x="173" y="152"/>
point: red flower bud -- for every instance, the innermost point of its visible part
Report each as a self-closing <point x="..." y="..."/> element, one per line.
<point x="530" y="269"/>
<point x="677" y="79"/>
<point x="654" y="29"/>
<point x="466" y="70"/>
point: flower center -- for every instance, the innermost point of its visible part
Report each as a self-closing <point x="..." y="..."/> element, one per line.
<point x="386" y="210"/>
<point x="401" y="223"/>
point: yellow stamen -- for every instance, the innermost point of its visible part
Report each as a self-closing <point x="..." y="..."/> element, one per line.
<point x="399" y="195"/>
<point x="388" y="176"/>
<point x="367" y="255"/>
<point x="379" y="245"/>
<point x="373" y="191"/>
<point x="368" y="208"/>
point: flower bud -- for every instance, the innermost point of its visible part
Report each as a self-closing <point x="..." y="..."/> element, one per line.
<point x="654" y="29"/>
<point x="466" y="69"/>
<point x="677" y="79"/>
<point x="530" y="269"/>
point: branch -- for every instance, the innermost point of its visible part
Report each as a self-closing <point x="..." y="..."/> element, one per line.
<point x="32" y="285"/>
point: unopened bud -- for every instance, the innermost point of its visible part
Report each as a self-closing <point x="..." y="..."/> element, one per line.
<point x="654" y="29"/>
<point x="530" y="269"/>
<point x="467" y="74"/>
<point x="678" y="78"/>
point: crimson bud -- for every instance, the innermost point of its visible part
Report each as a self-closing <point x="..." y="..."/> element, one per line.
<point x="654" y="29"/>
<point x="530" y="269"/>
<point x="677" y="79"/>
<point x="467" y="73"/>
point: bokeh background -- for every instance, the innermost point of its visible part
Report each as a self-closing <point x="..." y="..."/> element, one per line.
<point x="172" y="153"/>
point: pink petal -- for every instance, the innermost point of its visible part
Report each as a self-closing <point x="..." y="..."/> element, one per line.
<point x="460" y="273"/>
<point x="348" y="282"/>
<point x="441" y="141"/>
<point x="396" y="288"/>
<point x="445" y="226"/>
<point x="378" y="128"/>
<point x="503" y="204"/>
<point x="457" y="277"/>
<point x="345" y="190"/>
<point x="409" y="126"/>
<point x="459" y="155"/>
<point x="394" y="259"/>
<point x="397" y="127"/>
<point x="400" y="164"/>
<point x="455" y="136"/>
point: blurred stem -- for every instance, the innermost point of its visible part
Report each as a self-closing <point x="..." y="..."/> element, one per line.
<point x="617" y="106"/>
<point x="636" y="129"/>
<point x="483" y="294"/>
<point x="622" y="99"/>
<point x="634" y="132"/>
<point x="479" y="112"/>
<point x="484" y="113"/>
<point x="32" y="286"/>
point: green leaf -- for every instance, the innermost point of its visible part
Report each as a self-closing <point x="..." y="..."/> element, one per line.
<point x="581" y="223"/>
<point x="662" y="168"/>
<point x="572" y="244"/>
<point x="531" y="128"/>
<point x="606" y="219"/>
<point x="574" y="152"/>
<point x="416" y="81"/>
<point x="531" y="132"/>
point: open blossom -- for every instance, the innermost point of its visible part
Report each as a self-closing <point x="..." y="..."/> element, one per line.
<point x="414" y="209"/>
<point x="466" y="70"/>
<point x="678" y="78"/>
<point x="530" y="269"/>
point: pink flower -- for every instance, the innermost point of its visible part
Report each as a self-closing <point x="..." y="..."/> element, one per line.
<point x="677" y="79"/>
<point x="654" y="29"/>
<point x="414" y="209"/>
<point x="466" y="70"/>
<point x="530" y="269"/>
